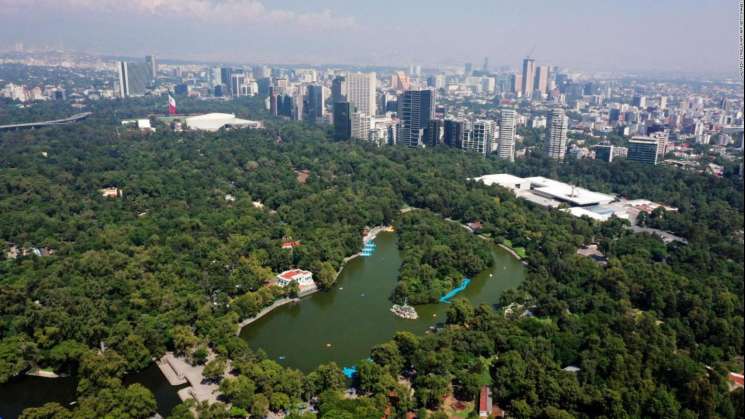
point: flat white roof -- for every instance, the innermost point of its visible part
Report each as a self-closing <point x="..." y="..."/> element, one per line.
<point x="579" y="212"/>
<point x="537" y="199"/>
<point x="565" y="192"/>
<point x="502" y="179"/>
<point x="215" y="121"/>
<point x="548" y="188"/>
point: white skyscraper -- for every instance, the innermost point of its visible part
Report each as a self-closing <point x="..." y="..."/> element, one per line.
<point x="360" y="125"/>
<point x="361" y="92"/>
<point x="215" y="76"/>
<point x="556" y="137"/>
<point x="133" y="78"/>
<point x="480" y="138"/>
<point x="528" y="78"/>
<point x="237" y="83"/>
<point x="152" y="66"/>
<point x="506" y="148"/>
<point x="123" y="88"/>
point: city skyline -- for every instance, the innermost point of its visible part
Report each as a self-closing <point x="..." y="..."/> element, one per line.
<point x="397" y="224"/>
<point x="595" y="37"/>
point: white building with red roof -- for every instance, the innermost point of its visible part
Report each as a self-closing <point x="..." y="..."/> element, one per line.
<point x="289" y="244"/>
<point x="304" y="279"/>
<point x="735" y="381"/>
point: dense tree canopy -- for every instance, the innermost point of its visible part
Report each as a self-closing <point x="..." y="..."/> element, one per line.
<point x="174" y="265"/>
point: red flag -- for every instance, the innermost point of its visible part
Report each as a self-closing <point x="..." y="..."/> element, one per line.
<point x="171" y="105"/>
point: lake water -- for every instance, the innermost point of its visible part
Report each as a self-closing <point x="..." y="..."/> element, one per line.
<point x="343" y="323"/>
<point x="27" y="391"/>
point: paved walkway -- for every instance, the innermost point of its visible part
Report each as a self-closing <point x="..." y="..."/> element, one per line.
<point x="198" y="390"/>
<point x="174" y="378"/>
<point x="267" y="310"/>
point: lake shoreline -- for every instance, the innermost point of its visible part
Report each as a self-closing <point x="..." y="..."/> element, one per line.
<point x="38" y="372"/>
<point x="510" y="251"/>
<point x="358" y="307"/>
<point x="370" y="236"/>
<point x="267" y="310"/>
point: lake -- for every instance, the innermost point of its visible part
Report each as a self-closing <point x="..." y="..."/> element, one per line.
<point x="343" y="323"/>
<point x="28" y="391"/>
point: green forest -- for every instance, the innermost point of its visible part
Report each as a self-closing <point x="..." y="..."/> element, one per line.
<point x="436" y="256"/>
<point x="174" y="265"/>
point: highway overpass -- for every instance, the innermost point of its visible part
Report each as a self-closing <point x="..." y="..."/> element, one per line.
<point x="41" y="124"/>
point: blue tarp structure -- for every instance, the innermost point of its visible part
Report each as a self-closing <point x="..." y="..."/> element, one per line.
<point x="349" y="372"/>
<point x="463" y="285"/>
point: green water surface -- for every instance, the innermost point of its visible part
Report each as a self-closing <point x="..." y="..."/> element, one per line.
<point x="343" y="323"/>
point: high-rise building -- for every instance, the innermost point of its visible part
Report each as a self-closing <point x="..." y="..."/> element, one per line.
<point x="342" y="120"/>
<point x="468" y="70"/>
<point x="516" y="81"/>
<point x="381" y="102"/>
<point x="225" y="76"/>
<point x="506" y="149"/>
<point x="643" y="150"/>
<point x="360" y="126"/>
<point x="121" y="67"/>
<point x="415" y="109"/>
<point x="237" y="81"/>
<point x="297" y="110"/>
<point x="541" y="79"/>
<point x="285" y="105"/>
<point x="215" y="76"/>
<point x="316" y="104"/>
<point x="400" y="81"/>
<point x="339" y="89"/>
<point x="152" y="65"/>
<point x="662" y="138"/>
<point x="488" y="85"/>
<point x="261" y="72"/>
<point x="640" y="101"/>
<point x="556" y="137"/>
<point x="454" y="132"/>
<point x="481" y="137"/>
<point x="436" y="82"/>
<point x="133" y="79"/>
<point x="282" y="84"/>
<point x="434" y="133"/>
<point x="264" y="86"/>
<point x="273" y="102"/>
<point x="361" y="92"/>
<point x="589" y="89"/>
<point x="528" y="77"/>
<point x="604" y="152"/>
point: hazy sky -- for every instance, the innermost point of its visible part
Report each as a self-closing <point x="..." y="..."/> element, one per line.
<point x="679" y="35"/>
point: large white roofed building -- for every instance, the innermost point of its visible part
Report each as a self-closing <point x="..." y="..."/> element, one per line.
<point x="217" y="121"/>
<point x="564" y="192"/>
<point x="576" y="201"/>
